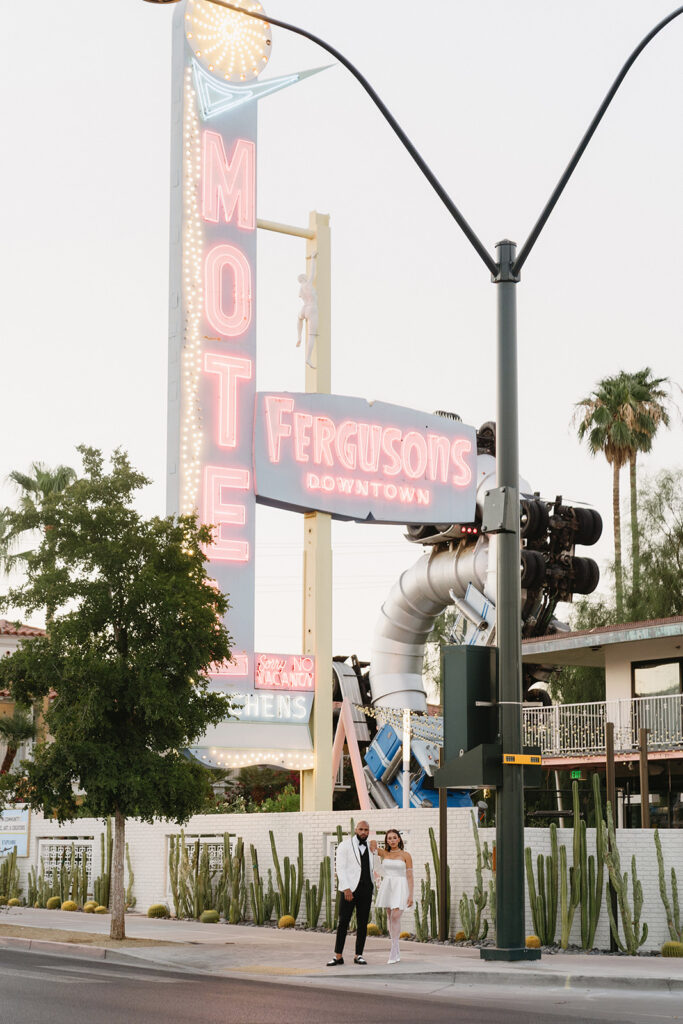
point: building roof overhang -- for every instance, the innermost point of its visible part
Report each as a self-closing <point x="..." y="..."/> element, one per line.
<point x="588" y="646"/>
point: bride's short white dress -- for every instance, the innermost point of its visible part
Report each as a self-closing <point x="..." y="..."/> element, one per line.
<point x="393" y="890"/>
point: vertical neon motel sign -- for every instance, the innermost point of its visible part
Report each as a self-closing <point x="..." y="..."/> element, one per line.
<point x="213" y="336"/>
<point x="212" y="333"/>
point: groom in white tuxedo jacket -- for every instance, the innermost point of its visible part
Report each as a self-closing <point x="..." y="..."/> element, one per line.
<point x="353" y="865"/>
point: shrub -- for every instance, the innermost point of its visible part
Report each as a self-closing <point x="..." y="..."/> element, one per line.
<point x="54" y="903"/>
<point x="209" y="917"/>
<point x="373" y="930"/>
<point x="460" y="936"/>
<point x="101" y="910"/>
<point x="159" y="910"/>
<point x="672" y="949"/>
<point x="69" y="905"/>
<point x="286" y="921"/>
<point x="14" y="902"/>
<point x="532" y="942"/>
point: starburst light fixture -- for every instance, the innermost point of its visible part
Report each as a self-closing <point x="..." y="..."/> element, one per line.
<point x="232" y="47"/>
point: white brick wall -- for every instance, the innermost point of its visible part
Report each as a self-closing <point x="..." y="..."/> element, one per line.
<point x="149" y="852"/>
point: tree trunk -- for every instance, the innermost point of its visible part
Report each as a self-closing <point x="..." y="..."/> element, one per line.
<point x="8" y="760"/>
<point x="616" y="511"/>
<point x="635" y="541"/>
<point x="118" y="895"/>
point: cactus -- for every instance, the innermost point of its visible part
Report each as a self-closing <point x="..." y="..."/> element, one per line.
<point x="158" y="910"/>
<point x="327" y="865"/>
<point x="673" y="915"/>
<point x="130" y="899"/>
<point x="290" y="880"/>
<point x="596" y="885"/>
<point x="209" y="917"/>
<point x="630" y="919"/>
<point x="54" y="903"/>
<point x="672" y="949"/>
<point x="286" y="921"/>
<point x="437" y="878"/>
<point x="532" y="942"/>
<point x="337" y="899"/>
<point x="102" y="882"/>
<point x="472" y="909"/>
<point x="570" y="880"/>
<point x="421" y="910"/>
<point x="314" y="898"/>
<point x="70" y="905"/>
<point x="543" y="901"/>
<point x="9" y="876"/>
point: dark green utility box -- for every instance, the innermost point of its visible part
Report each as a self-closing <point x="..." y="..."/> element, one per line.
<point x="469" y="685"/>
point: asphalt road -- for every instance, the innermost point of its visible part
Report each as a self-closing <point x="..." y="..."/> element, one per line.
<point x="39" y="989"/>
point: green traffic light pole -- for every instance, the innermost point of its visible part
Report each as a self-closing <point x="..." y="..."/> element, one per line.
<point x="505" y="274"/>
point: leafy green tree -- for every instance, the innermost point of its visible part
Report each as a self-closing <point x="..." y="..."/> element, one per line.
<point x="582" y="684"/>
<point x="136" y="627"/>
<point x="659" y="593"/>
<point x="15" y="729"/>
<point x="649" y="397"/>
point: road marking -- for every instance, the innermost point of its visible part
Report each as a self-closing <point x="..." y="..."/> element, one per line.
<point x="114" y="975"/>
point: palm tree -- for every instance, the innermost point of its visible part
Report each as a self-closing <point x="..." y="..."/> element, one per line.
<point x="16" y="525"/>
<point x="606" y="420"/>
<point x="34" y="488"/>
<point x="15" y="729"/>
<point x="649" y="398"/>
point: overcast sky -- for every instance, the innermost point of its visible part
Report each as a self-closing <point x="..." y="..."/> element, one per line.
<point x="495" y="95"/>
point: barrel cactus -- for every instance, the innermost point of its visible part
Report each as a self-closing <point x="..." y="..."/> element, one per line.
<point x="286" y="921"/>
<point x="101" y="910"/>
<point x="159" y="910"/>
<point x="69" y="905"/>
<point x="89" y="907"/>
<point x="14" y="902"/>
<point x="460" y="936"/>
<point x="209" y="917"/>
<point x="532" y="942"/>
<point x="672" y="949"/>
<point x="54" y="903"/>
<point x="373" y="930"/>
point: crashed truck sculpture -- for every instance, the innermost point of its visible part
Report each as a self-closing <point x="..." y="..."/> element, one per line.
<point x="459" y="570"/>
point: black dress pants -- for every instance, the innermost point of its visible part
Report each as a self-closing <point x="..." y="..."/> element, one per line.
<point x="362" y="901"/>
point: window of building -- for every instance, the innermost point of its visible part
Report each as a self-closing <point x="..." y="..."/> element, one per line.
<point x="657" y="678"/>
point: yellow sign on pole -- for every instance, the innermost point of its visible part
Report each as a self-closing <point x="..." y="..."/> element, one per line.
<point x="522" y="759"/>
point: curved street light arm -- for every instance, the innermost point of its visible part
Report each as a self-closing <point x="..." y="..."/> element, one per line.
<point x="571" y="166"/>
<point x="389" y="118"/>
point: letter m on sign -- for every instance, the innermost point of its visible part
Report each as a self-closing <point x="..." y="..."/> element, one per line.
<point x="228" y="185"/>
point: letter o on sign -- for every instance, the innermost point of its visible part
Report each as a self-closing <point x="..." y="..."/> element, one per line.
<point x="220" y="261"/>
<point x="414" y="455"/>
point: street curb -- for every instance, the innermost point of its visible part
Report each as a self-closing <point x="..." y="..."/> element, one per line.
<point x="514" y="977"/>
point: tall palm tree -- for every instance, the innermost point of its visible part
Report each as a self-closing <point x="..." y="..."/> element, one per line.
<point x="34" y="487"/>
<point x="606" y="421"/>
<point x="15" y="729"/>
<point x="649" y="399"/>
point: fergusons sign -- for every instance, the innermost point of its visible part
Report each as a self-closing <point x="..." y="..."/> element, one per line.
<point x="229" y="446"/>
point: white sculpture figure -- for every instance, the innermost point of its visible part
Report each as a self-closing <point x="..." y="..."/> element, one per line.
<point x="308" y="311"/>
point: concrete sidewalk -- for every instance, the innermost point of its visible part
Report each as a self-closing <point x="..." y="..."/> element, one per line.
<point x="269" y="954"/>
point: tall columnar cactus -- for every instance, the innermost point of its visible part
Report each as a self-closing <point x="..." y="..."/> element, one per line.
<point x="630" y="919"/>
<point x="314" y="898"/>
<point x="9" y="876"/>
<point x="570" y="879"/>
<point x="543" y="898"/>
<point x="290" y="880"/>
<point x="436" y="858"/>
<point x="102" y="883"/>
<point x="596" y="884"/>
<point x="471" y="909"/>
<point x="327" y="866"/>
<point x="422" y="908"/>
<point x="673" y="914"/>
<point x="130" y="899"/>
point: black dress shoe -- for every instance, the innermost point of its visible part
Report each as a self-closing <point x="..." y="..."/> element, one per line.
<point x="335" y="962"/>
<point x="360" y="960"/>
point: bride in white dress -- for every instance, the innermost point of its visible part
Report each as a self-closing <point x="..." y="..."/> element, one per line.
<point x="396" y="891"/>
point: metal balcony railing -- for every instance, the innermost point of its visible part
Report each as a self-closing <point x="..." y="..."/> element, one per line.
<point x="567" y="730"/>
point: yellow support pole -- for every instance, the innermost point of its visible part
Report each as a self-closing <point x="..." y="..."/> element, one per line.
<point x="316" y="785"/>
